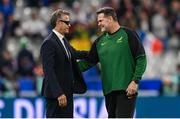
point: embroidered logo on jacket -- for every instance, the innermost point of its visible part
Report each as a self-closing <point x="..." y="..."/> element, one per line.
<point x="104" y="43"/>
<point x="119" y="40"/>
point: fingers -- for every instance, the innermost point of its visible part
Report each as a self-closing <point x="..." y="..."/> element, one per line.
<point x="130" y="94"/>
<point x="129" y="97"/>
<point x="62" y="100"/>
<point x="62" y="103"/>
<point x="132" y="89"/>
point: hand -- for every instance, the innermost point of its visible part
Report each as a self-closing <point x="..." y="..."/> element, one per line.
<point x="62" y="100"/>
<point x="132" y="89"/>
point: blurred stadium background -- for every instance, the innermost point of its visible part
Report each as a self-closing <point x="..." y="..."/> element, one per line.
<point x="25" y="23"/>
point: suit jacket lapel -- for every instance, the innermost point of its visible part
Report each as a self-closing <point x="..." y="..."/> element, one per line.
<point x="69" y="48"/>
<point x="60" y="44"/>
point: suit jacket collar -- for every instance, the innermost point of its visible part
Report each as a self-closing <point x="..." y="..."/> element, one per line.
<point x="59" y="35"/>
<point x="55" y="37"/>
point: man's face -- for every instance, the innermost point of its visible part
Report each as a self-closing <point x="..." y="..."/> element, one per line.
<point x="64" y="24"/>
<point x="103" y="22"/>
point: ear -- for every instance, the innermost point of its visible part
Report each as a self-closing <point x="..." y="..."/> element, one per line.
<point x="110" y="18"/>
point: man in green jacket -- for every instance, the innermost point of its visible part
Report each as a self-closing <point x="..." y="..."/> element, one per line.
<point x="123" y="62"/>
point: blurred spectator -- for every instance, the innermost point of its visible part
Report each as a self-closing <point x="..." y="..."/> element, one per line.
<point x="172" y="83"/>
<point x="78" y="15"/>
<point x="147" y="6"/>
<point x="2" y="30"/>
<point x="7" y="74"/>
<point x="129" y="20"/>
<point x="160" y="24"/>
<point x="144" y="21"/>
<point x="34" y="26"/>
<point x="32" y="3"/>
<point x="177" y="75"/>
<point x="2" y="87"/>
<point x="174" y="43"/>
<point x="7" y="7"/>
<point x="6" y="65"/>
<point x="25" y="60"/>
<point x="175" y="17"/>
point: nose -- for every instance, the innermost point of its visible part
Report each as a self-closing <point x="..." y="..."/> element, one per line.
<point x="99" y="23"/>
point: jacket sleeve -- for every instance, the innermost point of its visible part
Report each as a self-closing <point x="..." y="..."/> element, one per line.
<point x="76" y="53"/>
<point x="79" y="54"/>
<point x="138" y="53"/>
<point x="48" y="62"/>
<point x="91" y="60"/>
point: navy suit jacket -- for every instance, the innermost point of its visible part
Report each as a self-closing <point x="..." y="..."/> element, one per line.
<point x="61" y="74"/>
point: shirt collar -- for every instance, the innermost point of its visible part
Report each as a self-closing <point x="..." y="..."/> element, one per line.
<point x="59" y="35"/>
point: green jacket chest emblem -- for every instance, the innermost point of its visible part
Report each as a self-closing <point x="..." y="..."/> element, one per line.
<point x="119" y="40"/>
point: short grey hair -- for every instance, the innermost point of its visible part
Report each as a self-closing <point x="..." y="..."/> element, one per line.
<point x="57" y="15"/>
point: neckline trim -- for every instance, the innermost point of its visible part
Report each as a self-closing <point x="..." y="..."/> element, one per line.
<point x="114" y="32"/>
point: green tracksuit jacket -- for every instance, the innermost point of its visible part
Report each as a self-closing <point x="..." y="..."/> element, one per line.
<point x="122" y="58"/>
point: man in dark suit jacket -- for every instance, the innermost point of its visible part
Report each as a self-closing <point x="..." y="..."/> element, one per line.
<point x="62" y="74"/>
